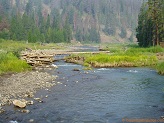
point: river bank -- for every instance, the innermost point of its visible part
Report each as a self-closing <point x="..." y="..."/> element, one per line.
<point x="97" y="95"/>
<point x="131" y="57"/>
<point x="23" y="86"/>
<point x="100" y="95"/>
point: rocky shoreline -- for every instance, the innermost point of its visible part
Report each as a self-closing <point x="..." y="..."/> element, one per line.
<point x="23" y="86"/>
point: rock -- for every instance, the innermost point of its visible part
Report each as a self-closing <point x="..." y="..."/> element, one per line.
<point x="29" y="94"/>
<point x="30" y="103"/>
<point x="31" y="120"/>
<point x="25" y="111"/>
<point x="76" y="69"/>
<point x="19" y="103"/>
<point x="54" y="66"/>
<point x="47" y="89"/>
<point x="59" y="83"/>
<point x="23" y="100"/>
<point x="13" y="122"/>
<point x="2" y="111"/>
<point x="38" y="99"/>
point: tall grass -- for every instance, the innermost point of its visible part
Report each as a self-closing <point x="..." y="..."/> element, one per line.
<point x="160" y="68"/>
<point x="10" y="63"/>
<point x="155" y="49"/>
<point x="10" y="45"/>
<point x="105" y="60"/>
<point x="10" y="51"/>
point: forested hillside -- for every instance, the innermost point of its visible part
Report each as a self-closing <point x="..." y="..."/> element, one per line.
<point x="66" y="20"/>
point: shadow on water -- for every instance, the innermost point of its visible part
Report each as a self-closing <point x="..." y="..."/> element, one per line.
<point x="97" y="96"/>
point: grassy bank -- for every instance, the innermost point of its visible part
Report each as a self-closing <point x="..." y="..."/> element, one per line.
<point x="9" y="54"/>
<point x="10" y="63"/>
<point x="105" y="60"/>
<point x="160" y="68"/>
<point x="121" y="56"/>
<point x="9" y="45"/>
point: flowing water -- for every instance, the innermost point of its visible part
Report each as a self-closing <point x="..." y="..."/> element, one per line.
<point x="105" y="95"/>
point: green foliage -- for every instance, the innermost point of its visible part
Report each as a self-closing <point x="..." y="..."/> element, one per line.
<point x="160" y="68"/>
<point x="150" y="23"/>
<point x="123" y="32"/>
<point x="10" y="63"/>
<point x="155" y="49"/>
<point x="16" y="46"/>
<point x="31" y="20"/>
<point x="94" y="35"/>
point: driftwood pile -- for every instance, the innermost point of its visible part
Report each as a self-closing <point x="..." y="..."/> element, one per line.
<point x="37" y="58"/>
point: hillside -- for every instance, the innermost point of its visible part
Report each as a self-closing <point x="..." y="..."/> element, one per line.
<point x="66" y="20"/>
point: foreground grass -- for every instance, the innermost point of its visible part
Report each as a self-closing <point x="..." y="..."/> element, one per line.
<point x="10" y="63"/>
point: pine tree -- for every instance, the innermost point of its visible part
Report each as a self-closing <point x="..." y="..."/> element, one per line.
<point x="56" y="19"/>
<point x="145" y="27"/>
<point x="154" y="12"/>
<point x="48" y="23"/>
<point x="67" y="31"/>
<point x="150" y="23"/>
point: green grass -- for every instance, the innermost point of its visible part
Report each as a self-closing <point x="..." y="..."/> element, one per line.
<point x="105" y="60"/>
<point x="10" y="63"/>
<point x="10" y="45"/>
<point x="126" y="55"/>
<point x="160" y="68"/>
<point x="10" y="52"/>
<point x="131" y="49"/>
<point x="138" y="50"/>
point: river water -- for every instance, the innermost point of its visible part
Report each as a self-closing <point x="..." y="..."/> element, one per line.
<point x="105" y="95"/>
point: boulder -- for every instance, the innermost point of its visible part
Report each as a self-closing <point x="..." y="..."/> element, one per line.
<point x="19" y="104"/>
<point x="76" y="69"/>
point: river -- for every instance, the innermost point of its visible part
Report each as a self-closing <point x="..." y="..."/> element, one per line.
<point x="105" y="95"/>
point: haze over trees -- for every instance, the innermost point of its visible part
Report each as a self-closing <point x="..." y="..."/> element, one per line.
<point x="66" y="20"/>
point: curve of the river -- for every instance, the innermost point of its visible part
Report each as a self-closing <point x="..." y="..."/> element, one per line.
<point x="105" y="95"/>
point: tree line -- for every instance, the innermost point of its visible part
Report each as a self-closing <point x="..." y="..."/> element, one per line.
<point x="150" y="30"/>
<point x="64" y="20"/>
<point x="34" y="26"/>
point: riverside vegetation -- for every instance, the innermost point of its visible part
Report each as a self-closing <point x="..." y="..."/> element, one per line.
<point x="123" y="56"/>
<point x="10" y="51"/>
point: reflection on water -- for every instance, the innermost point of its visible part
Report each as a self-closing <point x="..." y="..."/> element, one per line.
<point x="98" y="96"/>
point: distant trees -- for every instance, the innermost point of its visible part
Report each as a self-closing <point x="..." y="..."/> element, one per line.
<point x="151" y="23"/>
<point x="64" y="20"/>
